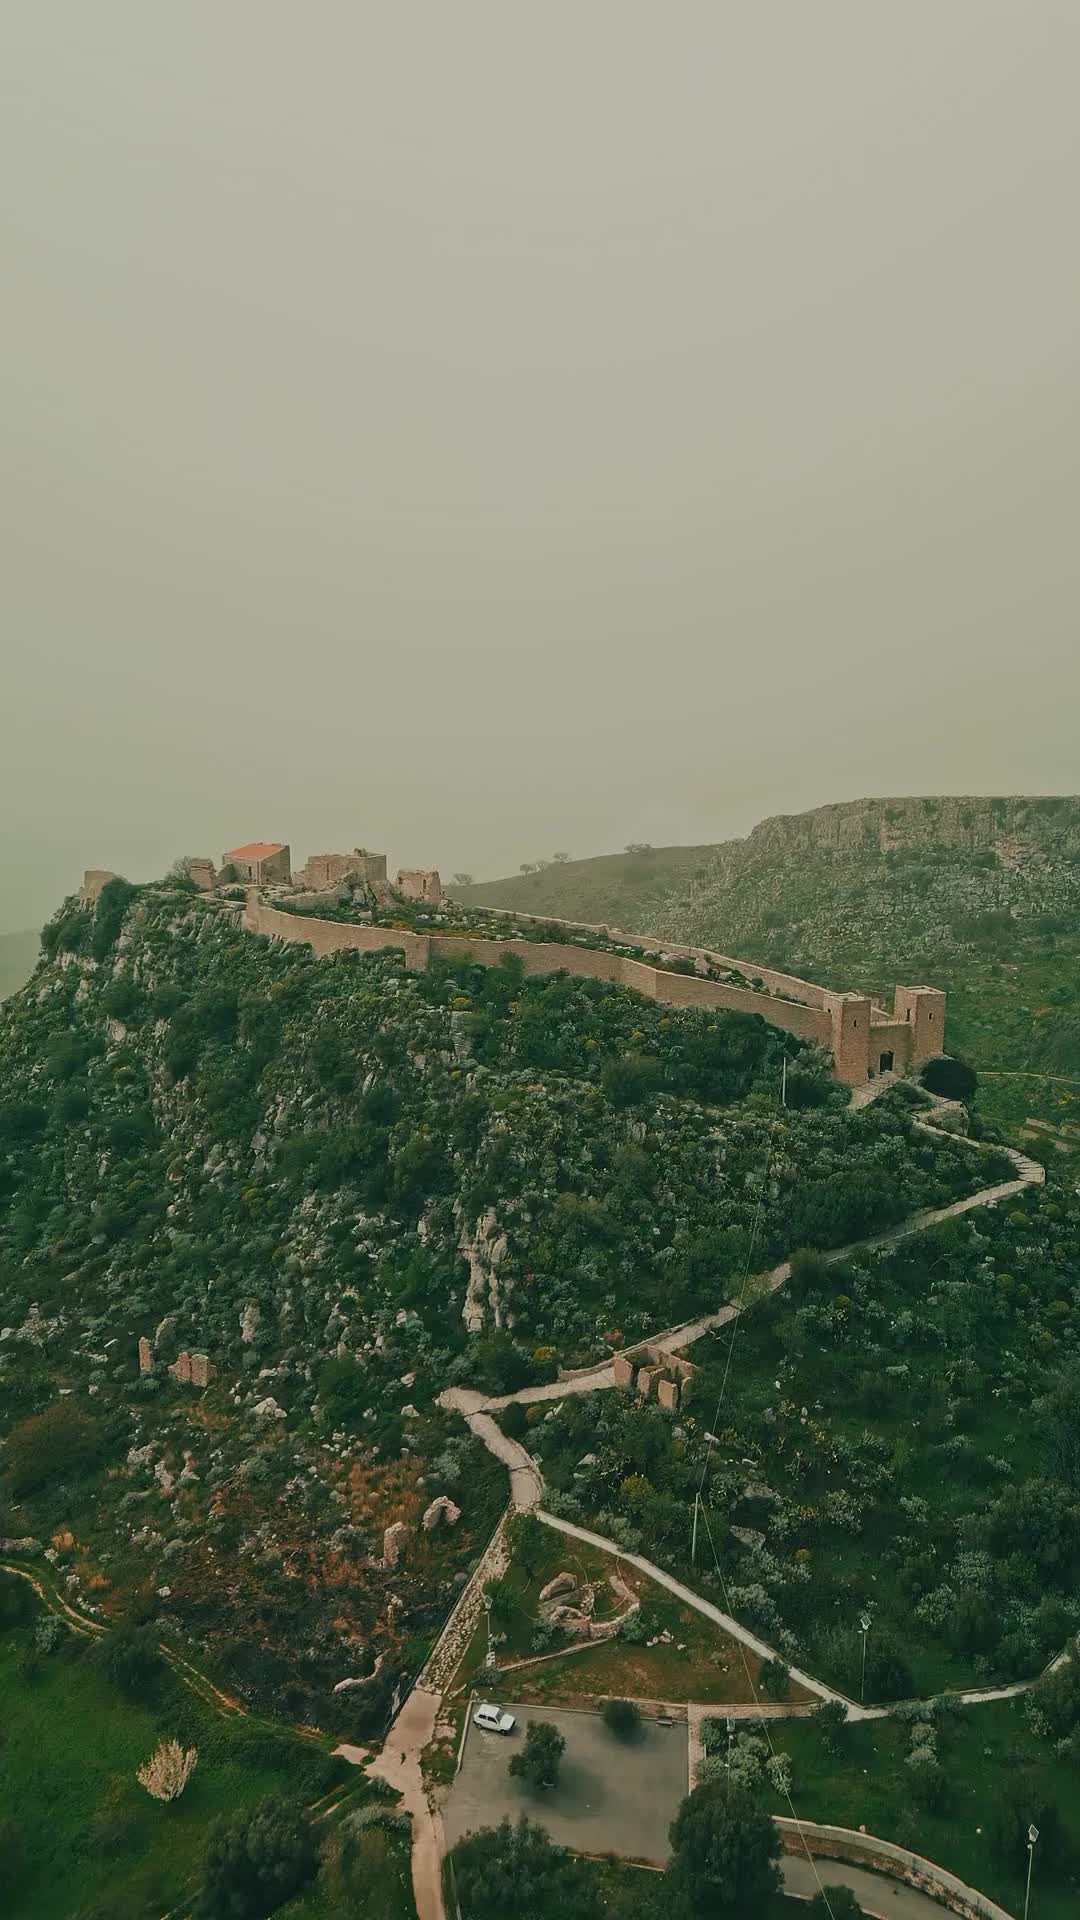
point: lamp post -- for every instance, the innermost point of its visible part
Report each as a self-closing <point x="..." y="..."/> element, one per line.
<point x="1033" y="1834"/>
<point x="489" y="1662"/>
<point x="864" y="1628"/>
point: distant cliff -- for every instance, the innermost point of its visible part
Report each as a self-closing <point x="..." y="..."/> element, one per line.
<point x="1015" y="828"/>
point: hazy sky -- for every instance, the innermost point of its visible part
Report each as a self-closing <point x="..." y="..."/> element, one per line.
<point x="473" y="428"/>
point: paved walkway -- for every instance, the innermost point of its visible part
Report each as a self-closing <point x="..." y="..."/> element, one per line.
<point x="885" y="1899"/>
<point x="400" y="1759"/>
<point x="399" y="1765"/>
<point x="706" y="1607"/>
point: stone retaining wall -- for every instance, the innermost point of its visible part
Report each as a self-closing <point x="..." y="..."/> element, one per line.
<point x="866" y="1850"/>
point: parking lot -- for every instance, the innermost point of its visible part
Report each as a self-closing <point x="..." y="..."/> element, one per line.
<point x="612" y="1796"/>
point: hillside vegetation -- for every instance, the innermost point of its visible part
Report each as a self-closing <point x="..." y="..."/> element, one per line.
<point x="349" y="1186"/>
<point x="978" y="896"/>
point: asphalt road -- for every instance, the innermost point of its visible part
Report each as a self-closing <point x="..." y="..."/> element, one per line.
<point x="876" y="1895"/>
<point x="612" y="1797"/>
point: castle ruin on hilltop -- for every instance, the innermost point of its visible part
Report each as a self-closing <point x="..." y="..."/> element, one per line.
<point x="863" y="1038"/>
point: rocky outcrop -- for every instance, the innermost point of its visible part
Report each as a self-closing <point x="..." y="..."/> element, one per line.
<point x="349" y="1686"/>
<point x="484" y="1249"/>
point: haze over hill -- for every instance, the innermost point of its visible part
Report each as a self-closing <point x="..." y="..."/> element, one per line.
<point x="724" y="442"/>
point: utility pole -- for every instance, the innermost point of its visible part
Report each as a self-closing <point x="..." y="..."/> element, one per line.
<point x="1033" y="1834"/>
<point x="864" y="1627"/>
<point x="693" y="1543"/>
<point x="783" y="1083"/>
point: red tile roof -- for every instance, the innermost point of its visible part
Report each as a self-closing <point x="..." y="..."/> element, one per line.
<point x="255" y="850"/>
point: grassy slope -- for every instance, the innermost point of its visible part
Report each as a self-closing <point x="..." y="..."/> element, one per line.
<point x="869" y="1786"/>
<point x="70" y="1747"/>
<point x="620" y="889"/>
<point x="378" y="1886"/>
<point x="18" y="956"/>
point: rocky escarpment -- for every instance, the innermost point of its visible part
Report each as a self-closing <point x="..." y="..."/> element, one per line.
<point x="1016" y="829"/>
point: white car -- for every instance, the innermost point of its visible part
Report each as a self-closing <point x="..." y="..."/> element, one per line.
<point x="494" y="1719"/>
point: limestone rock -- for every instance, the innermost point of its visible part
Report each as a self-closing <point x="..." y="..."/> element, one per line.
<point x="565" y="1582"/>
<point x="393" y="1540"/>
<point x="346" y="1686"/>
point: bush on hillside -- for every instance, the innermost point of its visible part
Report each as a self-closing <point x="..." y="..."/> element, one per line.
<point x="949" y="1076"/>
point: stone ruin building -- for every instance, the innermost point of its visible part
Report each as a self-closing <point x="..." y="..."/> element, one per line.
<point x="259" y="861"/>
<point x="653" y="1368"/>
<point x="188" y="1369"/>
<point x="323" y="871"/>
<point x="420" y="883"/>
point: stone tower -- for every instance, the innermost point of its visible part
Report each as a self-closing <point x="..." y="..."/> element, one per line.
<point x="923" y="1009"/>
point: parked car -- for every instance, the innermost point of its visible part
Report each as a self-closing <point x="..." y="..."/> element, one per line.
<point x="494" y="1719"/>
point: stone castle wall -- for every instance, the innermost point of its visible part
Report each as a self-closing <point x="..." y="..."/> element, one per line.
<point x="787" y="985"/>
<point x="670" y="989"/>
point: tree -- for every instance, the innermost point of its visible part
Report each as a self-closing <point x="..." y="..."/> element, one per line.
<point x="888" y="1675"/>
<point x="462" y="880"/>
<point x="560" y="859"/>
<point x="130" y="1657"/>
<point x="1019" y="1803"/>
<point x="538" y="1761"/>
<point x="724" y="1853"/>
<point x="834" y="1903"/>
<point x="168" y="1770"/>
<point x="500" y="1600"/>
<point x="21" y="1120"/>
<point x="950" y="1076"/>
<point x="1060" y="1420"/>
<point x="830" y="1719"/>
<point x="507" y="1873"/>
<point x="56" y="1444"/>
<point x="622" y="1718"/>
<point x="529" y="1538"/>
<point x="631" y="1079"/>
<point x="257" y="1859"/>
<point x="17" y="1602"/>
<point x="773" y="1679"/>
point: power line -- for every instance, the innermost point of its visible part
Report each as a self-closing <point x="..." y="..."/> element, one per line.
<point x="699" y="1507"/>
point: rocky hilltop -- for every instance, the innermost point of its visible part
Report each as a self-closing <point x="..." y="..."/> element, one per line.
<point x="1016" y="829"/>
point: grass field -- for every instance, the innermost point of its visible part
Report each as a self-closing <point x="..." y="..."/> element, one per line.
<point x="981" y="1753"/>
<point x="84" y="1839"/>
<point x="698" y="1663"/>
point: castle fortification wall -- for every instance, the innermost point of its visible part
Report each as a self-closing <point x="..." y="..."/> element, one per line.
<point x="670" y="989"/>
<point x="788" y="985"/>
<point x="333" y="936"/>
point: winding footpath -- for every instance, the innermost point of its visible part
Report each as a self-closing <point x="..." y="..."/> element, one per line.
<point x="399" y="1762"/>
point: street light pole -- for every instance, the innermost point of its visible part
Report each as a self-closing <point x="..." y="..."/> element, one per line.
<point x="864" y="1627"/>
<point x="1033" y="1834"/>
<point x="487" y="1609"/>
